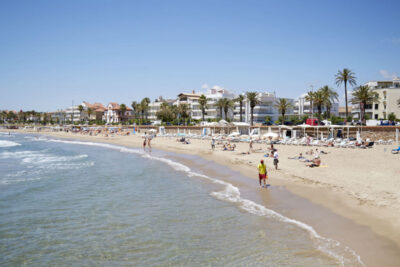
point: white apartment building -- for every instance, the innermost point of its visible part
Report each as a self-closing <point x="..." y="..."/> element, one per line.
<point x="192" y="100"/>
<point x="266" y="107"/>
<point x="304" y="107"/>
<point x="155" y="107"/>
<point x="212" y="111"/>
<point x="73" y="113"/>
<point x="389" y="94"/>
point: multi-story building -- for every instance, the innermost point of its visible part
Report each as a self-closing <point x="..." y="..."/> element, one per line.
<point x="304" y="107"/>
<point x="155" y="107"/>
<point x="113" y="113"/>
<point x="389" y="94"/>
<point x="192" y="100"/>
<point x="58" y="116"/>
<point x="265" y="107"/>
<point x="73" y="114"/>
<point x="342" y="111"/>
<point x="96" y="110"/>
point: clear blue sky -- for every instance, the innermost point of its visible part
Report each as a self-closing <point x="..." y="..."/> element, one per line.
<point x="53" y="52"/>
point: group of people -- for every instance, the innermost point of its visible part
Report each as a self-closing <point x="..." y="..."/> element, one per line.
<point x="147" y="140"/>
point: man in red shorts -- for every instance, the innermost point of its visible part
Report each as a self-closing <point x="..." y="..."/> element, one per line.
<point x="262" y="173"/>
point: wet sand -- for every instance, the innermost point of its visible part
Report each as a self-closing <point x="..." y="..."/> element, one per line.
<point x="368" y="225"/>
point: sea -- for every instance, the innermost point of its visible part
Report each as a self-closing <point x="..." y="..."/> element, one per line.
<point x="69" y="202"/>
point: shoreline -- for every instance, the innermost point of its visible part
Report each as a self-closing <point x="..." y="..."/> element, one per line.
<point x="328" y="196"/>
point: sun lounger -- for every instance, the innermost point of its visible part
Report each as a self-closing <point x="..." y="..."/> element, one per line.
<point x="396" y="150"/>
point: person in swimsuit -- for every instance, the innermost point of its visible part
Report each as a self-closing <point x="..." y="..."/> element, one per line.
<point x="262" y="173"/>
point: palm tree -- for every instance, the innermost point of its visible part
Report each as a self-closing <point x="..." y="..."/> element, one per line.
<point x="80" y="108"/>
<point x="122" y="107"/>
<point x="364" y="95"/>
<point x="89" y="112"/>
<point x="203" y="105"/>
<point x="252" y="97"/>
<point x="310" y="98"/>
<point x="138" y="110"/>
<point x="319" y="101"/>
<point x="183" y="111"/>
<point x="228" y="104"/>
<point x="283" y="105"/>
<point x="330" y="96"/>
<point x="144" y="106"/>
<point x="220" y="104"/>
<point x="345" y="76"/>
<point x="240" y="99"/>
<point x="134" y="106"/>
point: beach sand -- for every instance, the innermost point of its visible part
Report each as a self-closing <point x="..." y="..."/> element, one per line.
<point x="362" y="185"/>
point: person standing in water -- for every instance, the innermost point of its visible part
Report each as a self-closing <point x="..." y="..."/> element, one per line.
<point x="145" y="140"/>
<point x="276" y="160"/>
<point x="262" y="173"/>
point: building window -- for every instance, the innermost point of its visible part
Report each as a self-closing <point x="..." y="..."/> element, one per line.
<point x="376" y="106"/>
<point x="376" y="116"/>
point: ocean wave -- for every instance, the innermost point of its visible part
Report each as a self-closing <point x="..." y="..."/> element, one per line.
<point x="230" y="193"/>
<point x="15" y="181"/>
<point x="43" y="160"/>
<point x="5" y="143"/>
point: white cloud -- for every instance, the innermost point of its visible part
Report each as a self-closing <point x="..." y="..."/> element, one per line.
<point x="205" y="86"/>
<point x="388" y="75"/>
<point x="217" y="87"/>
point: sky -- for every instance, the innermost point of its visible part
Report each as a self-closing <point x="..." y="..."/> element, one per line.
<point x="55" y="53"/>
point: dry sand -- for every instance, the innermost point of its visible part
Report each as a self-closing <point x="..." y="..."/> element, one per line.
<point x="360" y="184"/>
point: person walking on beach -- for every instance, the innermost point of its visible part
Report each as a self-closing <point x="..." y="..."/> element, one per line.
<point x="145" y="140"/>
<point x="262" y="173"/>
<point x="149" y="141"/>
<point x="251" y="146"/>
<point x="213" y="144"/>
<point x="276" y="160"/>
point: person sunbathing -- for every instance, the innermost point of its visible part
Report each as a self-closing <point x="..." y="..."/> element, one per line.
<point x="300" y="156"/>
<point x="316" y="162"/>
<point x="311" y="152"/>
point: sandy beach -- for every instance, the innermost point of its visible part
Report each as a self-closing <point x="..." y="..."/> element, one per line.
<point x="359" y="184"/>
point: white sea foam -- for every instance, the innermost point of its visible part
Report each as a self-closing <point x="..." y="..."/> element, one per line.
<point x="343" y="254"/>
<point x="14" y="181"/>
<point x="5" y="143"/>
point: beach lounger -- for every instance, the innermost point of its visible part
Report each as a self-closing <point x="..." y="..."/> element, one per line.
<point x="396" y="150"/>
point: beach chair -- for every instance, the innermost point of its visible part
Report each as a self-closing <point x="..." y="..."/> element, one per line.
<point x="396" y="150"/>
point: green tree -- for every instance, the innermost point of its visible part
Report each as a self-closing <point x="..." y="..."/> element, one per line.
<point x="392" y="116"/>
<point x="80" y="108"/>
<point x="165" y="114"/>
<point x="310" y="98"/>
<point x="319" y="101"/>
<point x="345" y="77"/>
<point x="252" y="97"/>
<point x="89" y="112"/>
<point x="240" y="99"/>
<point x="122" y="108"/>
<point x="134" y="106"/>
<point x="362" y="96"/>
<point x="267" y="119"/>
<point x="183" y="111"/>
<point x="220" y="104"/>
<point x="144" y="106"/>
<point x="330" y="96"/>
<point x="228" y="104"/>
<point x="282" y="104"/>
<point x="203" y="105"/>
